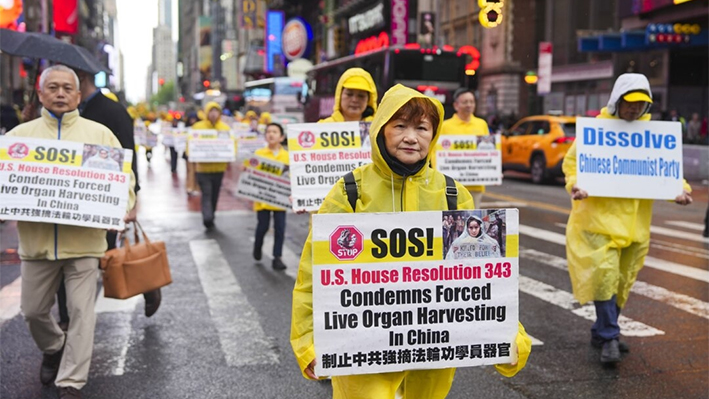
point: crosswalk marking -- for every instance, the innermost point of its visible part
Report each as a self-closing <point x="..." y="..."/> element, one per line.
<point x="651" y="262"/>
<point x="10" y="300"/>
<point x="111" y="351"/>
<point x="565" y="300"/>
<point x="535" y="341"/>
<point x="240" y="333"/>
<point x="674" y="299"/>
<point x="687" y="225"/>
<point x="678" y="234"/>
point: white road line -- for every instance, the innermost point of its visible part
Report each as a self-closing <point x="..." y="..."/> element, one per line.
<point x="535" y="341"/>
<point x="687" y="225"/>
<point x="10" y="300"/>
<point x="241" y="336"/>
<point x="111" y="346"/>
<point x="503" y="204"/>
<point x="678" y="234"/>
<point x="654" y="263"/>
<point x="674" y="299"/>
<point x="565" y="300"/>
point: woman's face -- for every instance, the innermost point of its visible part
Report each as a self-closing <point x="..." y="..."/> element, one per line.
<point x="473" y="228"/>
<point x="353" y="102"/>
<point x="408" y="141"/>
<point x="273" y="135"/>
<point x="630" y="111"/>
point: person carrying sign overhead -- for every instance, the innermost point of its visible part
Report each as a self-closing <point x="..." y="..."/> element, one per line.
<point x="209" y="175"/>
<point x="607" y="238"/>
<point x="50" y="251"/>
<point x="404" y="133"/>
<point x="355" y="97"/>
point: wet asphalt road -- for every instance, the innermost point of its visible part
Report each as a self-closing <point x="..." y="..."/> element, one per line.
<point x="185" y="350"/>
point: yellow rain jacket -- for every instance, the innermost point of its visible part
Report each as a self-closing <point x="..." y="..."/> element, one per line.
<point x="476" y="127"/>
<point x="281" y="156"/>
<point x="381" y="190"/>
<point x="211" y="167"/>
<point x="606" y="238"/>
<point x="336" y="113"/>
<point x="49" y="241"/>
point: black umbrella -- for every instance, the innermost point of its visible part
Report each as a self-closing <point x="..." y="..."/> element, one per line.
<point x="39" y="45"/>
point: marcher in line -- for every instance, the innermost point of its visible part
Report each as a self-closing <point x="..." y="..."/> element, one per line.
<point x="607" y="238"/>
<point x="98" y="107"/>
<point x="355" y="97"/>
<point x="465" y="122"/>
<point x="273" y="150"/>
<point x="49" y="251"/>
<point x="404" y="133"/>
<point x="210" y="174"/>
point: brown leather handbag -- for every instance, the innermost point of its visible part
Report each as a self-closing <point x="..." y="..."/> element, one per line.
<point x="135" y="269"/>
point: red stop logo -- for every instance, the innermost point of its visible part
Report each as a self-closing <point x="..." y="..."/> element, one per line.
<point x="346" y="242"/>
<point x="446" y="144"/>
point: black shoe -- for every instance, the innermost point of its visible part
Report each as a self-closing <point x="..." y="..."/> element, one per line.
<point x="278" y="264"/>
<point x="208" y="224"/>
<point x="597" y="343"/>
<point x="152" y="302"/>
<point x="64" y="325"/>
<point x="610" y="352"/>
<point x="69" y="393"/>
<point x="257" y="253"/>
<point x="50" y="367"/>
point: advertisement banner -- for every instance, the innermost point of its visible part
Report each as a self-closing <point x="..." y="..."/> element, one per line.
<point x="472" y="160"/>
<point x="265" y="180"/>
<point x="64" y="182"/>
<point x="620" y="159"/>
<point x="544" y="70"/>
<point x="399" y="22"/>
<point x="408" y="290"/>
<point x="204" y="146"/>
<point x="321" y="153"/>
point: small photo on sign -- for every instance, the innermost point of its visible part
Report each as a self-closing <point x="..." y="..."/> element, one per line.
<point x="102" y="157"/>
<point x="486" y="143"/>
<point x="473" y="234"/>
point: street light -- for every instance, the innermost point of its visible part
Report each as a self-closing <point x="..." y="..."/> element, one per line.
<point x="531" y="78"/>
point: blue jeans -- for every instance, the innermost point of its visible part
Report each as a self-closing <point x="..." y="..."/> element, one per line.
<point x="279" y="225"/>
<point x="606" y="326"/>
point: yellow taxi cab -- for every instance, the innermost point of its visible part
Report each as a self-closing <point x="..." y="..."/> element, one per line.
<point x="537" y="145"/>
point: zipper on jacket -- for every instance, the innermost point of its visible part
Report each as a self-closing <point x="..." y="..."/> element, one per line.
<point x="56" y="227"/>
<point x="403" y="184"/>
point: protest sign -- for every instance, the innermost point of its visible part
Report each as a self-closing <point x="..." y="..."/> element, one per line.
<point x="416" y="294"/>
<point x="321" y="153"/>
<point x="246" y="147"/>
<point x="179" y="137"/>
<point x="471" y="160"/>
<point x="620" y="159"/>
<point x="210" y="146"/>
<point x="265" y="180"/>
<point x="140" y="133"/>
<point x="64" y="182"/>
<point x="166" y="132"/>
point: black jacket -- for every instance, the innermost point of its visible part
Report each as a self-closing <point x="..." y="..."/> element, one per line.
<point x="115" y="117"/>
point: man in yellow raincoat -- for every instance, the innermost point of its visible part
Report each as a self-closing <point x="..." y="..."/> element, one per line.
<point x="607" y="238"/>
<point x="404" y="133"/>
<point x="355" y="97"/>
<point x="464" y="122"/>
<point x="210" y="174"/>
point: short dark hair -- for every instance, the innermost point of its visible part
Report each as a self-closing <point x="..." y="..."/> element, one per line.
<point x="416" y="110"/>
<point x="461" y="91"/>
<point x="276" y="125"/>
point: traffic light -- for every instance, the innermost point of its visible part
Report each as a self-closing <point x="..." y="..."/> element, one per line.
<point x="161" y="81"/>
<point x="338" y="39"/>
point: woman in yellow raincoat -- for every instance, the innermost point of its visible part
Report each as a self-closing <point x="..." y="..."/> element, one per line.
<point x="355" y="97"/>
<point x="404" y="132"/>
<point x="607" y="238"/>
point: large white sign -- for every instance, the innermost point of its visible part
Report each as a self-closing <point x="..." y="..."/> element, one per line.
<point x="321" y="153"/>
<point x="403" y="291"/>
<point x="472" y="160"/>
<point x="210" y="146"/>
<point x="615" y="158"/>
<point x="64" y="182"/>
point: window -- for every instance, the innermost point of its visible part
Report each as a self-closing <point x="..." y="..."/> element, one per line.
<point x="539" y="128"/>
<point x="521" y="130"/>
<point x="569" y="129"/>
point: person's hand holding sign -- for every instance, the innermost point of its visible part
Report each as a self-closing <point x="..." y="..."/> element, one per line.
<point x="684" y="199"/>
<point x="579" y="194"/>
<point x="310" y="371"/>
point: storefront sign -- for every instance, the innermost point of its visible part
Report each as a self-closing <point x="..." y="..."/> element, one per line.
<point x="544" y="71"/>
<point x="295" y="38"/>
<point x="405" y="291"/>
<point x="274" y="30"/>
<point x="399" y="21"/>
<point x="368" y="20"/>
<point x="62" y="182"/>
<point x="372" y="43"/>
<point x="620" y="159"/>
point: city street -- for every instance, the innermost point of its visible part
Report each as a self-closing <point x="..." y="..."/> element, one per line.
<point x="222" y="330"/>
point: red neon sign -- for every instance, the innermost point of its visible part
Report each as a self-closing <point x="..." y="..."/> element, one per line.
<point x="474" y="53"/>
<point x="372" y="43"/>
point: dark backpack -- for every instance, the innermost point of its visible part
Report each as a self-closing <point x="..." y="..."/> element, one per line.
<point x="352" y="193"/>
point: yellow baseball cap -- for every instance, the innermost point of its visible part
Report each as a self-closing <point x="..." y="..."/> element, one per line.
<point x="636" y="96"/>
<point x="357" y="83"/>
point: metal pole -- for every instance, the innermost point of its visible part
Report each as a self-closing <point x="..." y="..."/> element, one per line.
<point x="439" y="37"/>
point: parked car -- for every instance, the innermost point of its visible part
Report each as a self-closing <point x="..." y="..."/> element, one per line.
<point x="537" y="145"/>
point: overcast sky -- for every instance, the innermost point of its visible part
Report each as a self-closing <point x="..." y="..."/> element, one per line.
<point x="136" y="20"/>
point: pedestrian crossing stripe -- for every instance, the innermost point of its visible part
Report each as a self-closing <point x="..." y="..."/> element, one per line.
<point x="687" y="225"/>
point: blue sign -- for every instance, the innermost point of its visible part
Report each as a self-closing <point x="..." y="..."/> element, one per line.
<point x="274" y="30"/>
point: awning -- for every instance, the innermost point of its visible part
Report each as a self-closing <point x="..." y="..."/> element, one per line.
<point x="636" y="40"/>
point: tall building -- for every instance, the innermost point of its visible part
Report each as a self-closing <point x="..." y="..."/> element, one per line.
<point x="165" y="13"/>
